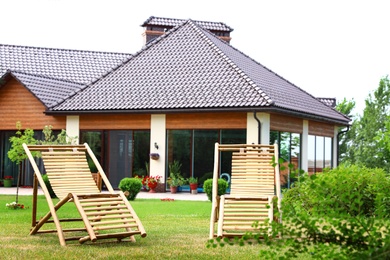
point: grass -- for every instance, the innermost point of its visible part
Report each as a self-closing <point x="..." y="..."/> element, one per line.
<point x="176" y="230"/>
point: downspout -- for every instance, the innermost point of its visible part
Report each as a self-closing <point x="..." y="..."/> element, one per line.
<point x="338" y="144"/>
<point x="259" y="127"/>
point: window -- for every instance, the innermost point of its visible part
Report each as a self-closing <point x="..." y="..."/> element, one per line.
<point x="290" y="151"/>
<point x="195" y="150"/>
<point x="320" y="153"/>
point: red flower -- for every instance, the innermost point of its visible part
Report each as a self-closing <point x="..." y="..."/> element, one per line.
<point x="8" y="177"/>
<point x="151" y="181"/>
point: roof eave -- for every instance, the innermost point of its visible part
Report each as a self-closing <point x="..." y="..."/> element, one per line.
<point x="204" y="110"/>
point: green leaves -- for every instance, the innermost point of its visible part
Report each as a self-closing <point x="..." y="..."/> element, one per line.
<point x="17" y="153"/>
<point x="340" y="214"/>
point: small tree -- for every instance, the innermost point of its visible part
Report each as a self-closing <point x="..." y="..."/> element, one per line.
<point x="16" y="153"/>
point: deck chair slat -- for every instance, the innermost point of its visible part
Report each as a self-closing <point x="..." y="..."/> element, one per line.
<point x="106" y="212"/>
<point x="112" y="207"/>
<point x="101" y="217"/>
<point x="99" y="199"/>
<point x="113" y="227"/>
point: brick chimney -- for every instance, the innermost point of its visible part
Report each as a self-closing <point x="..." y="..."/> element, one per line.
<point x="156" y="26"/>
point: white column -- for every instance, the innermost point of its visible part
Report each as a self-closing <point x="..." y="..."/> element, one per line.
<point x="265" y="120"/>
<point x="335" y="150"/>
<point x="157" y="139"/>
<point x="252" y="128"/>
<point x="305" y="146"/>
<point x="73" y="128"/>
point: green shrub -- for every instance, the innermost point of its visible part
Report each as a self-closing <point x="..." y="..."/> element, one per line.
<point x="131" y="187"/>
<point x="355" y="191"/>
<point x="48" y="186"/>
<point x="341" y="214"/>
<point x="208" y="187"/>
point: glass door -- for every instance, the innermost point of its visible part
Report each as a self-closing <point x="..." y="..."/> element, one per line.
<point x="120" y="156"/>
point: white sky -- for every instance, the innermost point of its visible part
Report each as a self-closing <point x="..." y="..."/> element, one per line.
<point x="332" y="48"/>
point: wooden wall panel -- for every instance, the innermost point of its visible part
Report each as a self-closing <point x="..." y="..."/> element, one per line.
<point x="321" y="129"/>
<point x="232" y="120"/>
<point x="114" y="122"/>
<point x="286" y="123"/>
<point x="18" y="104"/>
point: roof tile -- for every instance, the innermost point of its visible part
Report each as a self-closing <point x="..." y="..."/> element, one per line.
<point x="71" y="65"/>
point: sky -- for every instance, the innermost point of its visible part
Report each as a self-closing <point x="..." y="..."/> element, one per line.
<point x="334" y="48"/>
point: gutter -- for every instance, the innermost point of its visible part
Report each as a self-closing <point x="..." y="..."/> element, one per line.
<point x="259" y="128"/>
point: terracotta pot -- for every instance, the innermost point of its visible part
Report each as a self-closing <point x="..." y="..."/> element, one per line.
<point x="152" y="185"/>
<point x="173" y="189"/>
<point x="193" y="186"/>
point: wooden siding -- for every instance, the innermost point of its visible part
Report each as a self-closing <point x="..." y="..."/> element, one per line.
<point x="114" y="122"/>
<point x="234" y="120"/>
<point x="19" y="104"/>
<point x="321" y="129"/>
<point x="285" y="123"/>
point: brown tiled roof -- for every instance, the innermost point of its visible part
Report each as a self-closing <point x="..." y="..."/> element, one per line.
<point x="70" y="65"/>
<point x="190" y="69"/>
<point x="171" y="22"/>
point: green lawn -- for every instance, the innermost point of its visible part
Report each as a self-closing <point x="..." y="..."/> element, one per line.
<point x="176" y="230"/>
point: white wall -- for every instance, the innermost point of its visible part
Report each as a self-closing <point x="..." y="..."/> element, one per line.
<point x="252" y="128"/>
<point x="158" y="136"/>
<point x="73" y="128"/>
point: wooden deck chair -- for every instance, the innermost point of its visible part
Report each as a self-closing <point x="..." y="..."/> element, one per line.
<point x="102" y="215"/>
<point x="255" y="181"/>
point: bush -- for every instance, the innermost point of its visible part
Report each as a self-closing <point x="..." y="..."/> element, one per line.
<point x="131" y="187"/>
<point x="208" y="187"/>
<point x="355" y="191"/>
<point x="341" y="214"/>
<point x="48" y="186"/>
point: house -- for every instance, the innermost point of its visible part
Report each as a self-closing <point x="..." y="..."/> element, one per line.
<point x="185" y="90"/>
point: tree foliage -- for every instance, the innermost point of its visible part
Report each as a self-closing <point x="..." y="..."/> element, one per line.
<point x="16" y="153"/>
<point x="367" y="143"/>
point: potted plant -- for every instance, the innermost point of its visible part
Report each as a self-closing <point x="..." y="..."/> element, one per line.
<point x="7" y="181"/>
<point x="193" y="181"/>
<point x="175" y="182"/>
<point x="175" y="179"/>
<point x="151" y="182"/>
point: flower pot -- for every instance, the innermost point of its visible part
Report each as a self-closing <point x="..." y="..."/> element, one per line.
<point x="173" y="189"/>
<point x="152" y="187"/>
<point x="194" y="188"/>
<point x="7" y="183"/>
<point x="154" y="156"/>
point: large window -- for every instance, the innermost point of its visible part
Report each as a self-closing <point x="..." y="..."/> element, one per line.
<point x="320" y="153"/>
<point x="289" y="151"/>
<point x="195" y="150"/>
